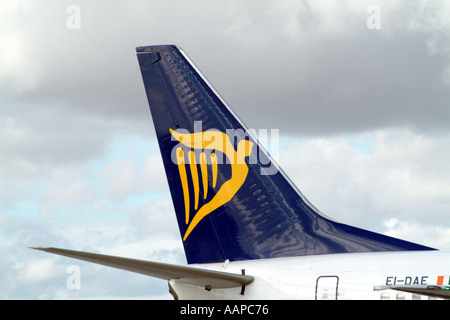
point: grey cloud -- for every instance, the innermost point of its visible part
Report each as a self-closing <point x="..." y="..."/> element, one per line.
<point x="348" y="79"/>
<point x="284" y="62"/>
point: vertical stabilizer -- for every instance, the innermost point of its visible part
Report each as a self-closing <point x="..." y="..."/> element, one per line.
<point x="231" y="200"/>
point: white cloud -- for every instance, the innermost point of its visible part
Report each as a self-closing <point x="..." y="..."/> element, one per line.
<point x="434" y="236"/>
<point x="405" y="177"/>
<point x="35" y="271"/>
<point x="124" y="177"/>
<point x="11" y="62"/>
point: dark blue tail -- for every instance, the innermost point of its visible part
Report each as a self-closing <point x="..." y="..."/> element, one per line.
<point x="231" y="200"/>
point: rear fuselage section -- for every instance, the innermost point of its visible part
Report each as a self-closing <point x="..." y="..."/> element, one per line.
<point x="328" y="277"/>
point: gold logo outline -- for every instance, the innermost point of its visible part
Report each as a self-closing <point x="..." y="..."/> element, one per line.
<point x="214" y="141"/>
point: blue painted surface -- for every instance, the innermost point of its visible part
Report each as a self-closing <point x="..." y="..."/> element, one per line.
<point x="267" y="217"/>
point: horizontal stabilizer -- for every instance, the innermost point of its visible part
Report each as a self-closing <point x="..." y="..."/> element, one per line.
<point x="183" y="274"/>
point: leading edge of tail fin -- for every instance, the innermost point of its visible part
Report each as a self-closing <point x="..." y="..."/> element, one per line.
<point x="231" y="200"/>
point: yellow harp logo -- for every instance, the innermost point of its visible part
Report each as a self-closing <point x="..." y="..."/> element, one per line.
<point x="212" y="141"/>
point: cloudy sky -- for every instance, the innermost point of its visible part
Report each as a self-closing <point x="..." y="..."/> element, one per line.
<point x="359" y="90"/>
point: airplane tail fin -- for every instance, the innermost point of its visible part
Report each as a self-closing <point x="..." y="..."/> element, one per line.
<point x="231" y="199"/>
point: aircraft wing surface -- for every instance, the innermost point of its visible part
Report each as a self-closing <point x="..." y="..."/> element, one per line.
<point x="185" y="274"/>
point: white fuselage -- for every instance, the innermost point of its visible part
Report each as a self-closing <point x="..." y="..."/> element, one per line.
<point x="335" y="276"/>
